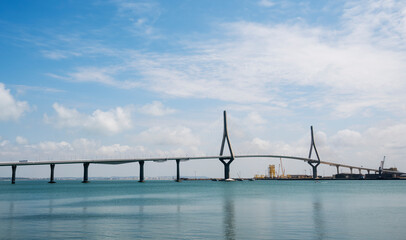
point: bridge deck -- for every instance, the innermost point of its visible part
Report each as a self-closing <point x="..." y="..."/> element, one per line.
<point x="129" y="160"/>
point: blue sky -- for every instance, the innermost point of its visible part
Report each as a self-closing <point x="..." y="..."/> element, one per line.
<point x="100" y="79"/>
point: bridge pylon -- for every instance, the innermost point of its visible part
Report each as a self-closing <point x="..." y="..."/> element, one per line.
<point x="229" y="158"/>
<point x="314" y="164"/>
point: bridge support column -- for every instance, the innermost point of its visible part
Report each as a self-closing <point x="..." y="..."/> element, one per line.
<point x="314" y="167"/>
<point x="351" y="170"/>
<point x="359" y="170"/>
<point x="368" y="171"/>
<point x="338" y="169"/>
<point x="226" y="169"/>
<point x="231" y="158"/>
<point x="51" y="179"/>
<point x="177" y="170"/>
<point x="141" y="171"/>
<point x="85" y="172"/>
<point x="13" y="174"/>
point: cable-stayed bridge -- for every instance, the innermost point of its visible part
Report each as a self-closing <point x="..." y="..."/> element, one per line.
<point x="225" y="159"/>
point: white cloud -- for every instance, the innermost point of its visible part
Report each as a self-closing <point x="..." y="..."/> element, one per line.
<point x="353" y="69"/>
<point x="56" y="55"/>
<point x="85" y="148"/>
<point x="390" y="137"/>
<point x="279" y="65"/>
<point x="129" y="8"/>
<point x="114" y="149"/>
<point x="266" y="3"/>
<point x="82" y="149"/>
<point x="347" y="138"/>
<point x="261" y="144"/>
<point x="83" y="144"/>
<point x="254" y="118"/>
<point x="141" y="15"/>
<point x="10" y="109"/>
<point x="22" y="89"/>
<point x="382" y="22"/>
<point x="4" y="143"/>
<point x="93" y="75"/>
<point x="97" y="75"/>
<point x="59" y="54"/>
<point x="109" y="122"/>
<point x="50" y="147"/>
<point x="322" y="139"/>
<point x="21" y="140"/>
<point x="77" y="149"/>
<point x="298" y="65"/>
<point x="156" y="108"/>
<point x="169" y="136"/>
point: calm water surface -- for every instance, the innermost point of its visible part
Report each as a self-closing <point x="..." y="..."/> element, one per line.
<point x="203" y="210"/>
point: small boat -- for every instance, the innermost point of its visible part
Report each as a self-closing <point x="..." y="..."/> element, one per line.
<point x="229" y="180"/>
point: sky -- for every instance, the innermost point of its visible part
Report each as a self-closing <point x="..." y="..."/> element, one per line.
<point x="134" y="79"/>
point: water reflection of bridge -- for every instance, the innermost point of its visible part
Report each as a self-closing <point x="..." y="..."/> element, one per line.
<point x="225" y="159"/>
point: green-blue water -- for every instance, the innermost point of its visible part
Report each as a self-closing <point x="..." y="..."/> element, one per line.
<point x="203" y="210"/>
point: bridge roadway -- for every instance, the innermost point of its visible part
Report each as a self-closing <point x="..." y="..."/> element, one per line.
<point x="129" y="160"/>
<point x="141" y="161"/>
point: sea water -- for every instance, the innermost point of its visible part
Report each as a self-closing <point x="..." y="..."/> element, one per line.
<point x="203" y="210"/>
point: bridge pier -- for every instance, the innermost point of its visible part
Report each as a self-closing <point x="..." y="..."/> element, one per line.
<point x="177" y="170"/>
<point x="51" y="179"/>
<point x="85" y="172"/>
<point x="141" y="171"/>
<point x="351" y="170"/>
<point x="314" y="167"/>
<point x="226" y="168"/>
<point x="368" y="171"/>
<point x="13" y="174"/>
<point x="338" y="169"/>
<point x="359" y="170"/>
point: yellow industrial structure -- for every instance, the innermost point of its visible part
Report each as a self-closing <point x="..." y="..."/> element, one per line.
<point x="258" y="176"/>
<point x="280" y="175"/>
<point x="272" y="173"/>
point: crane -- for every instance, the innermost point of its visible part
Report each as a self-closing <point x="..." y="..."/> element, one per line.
<point x="381" y="167"/>
<point x="282" y="169"/>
